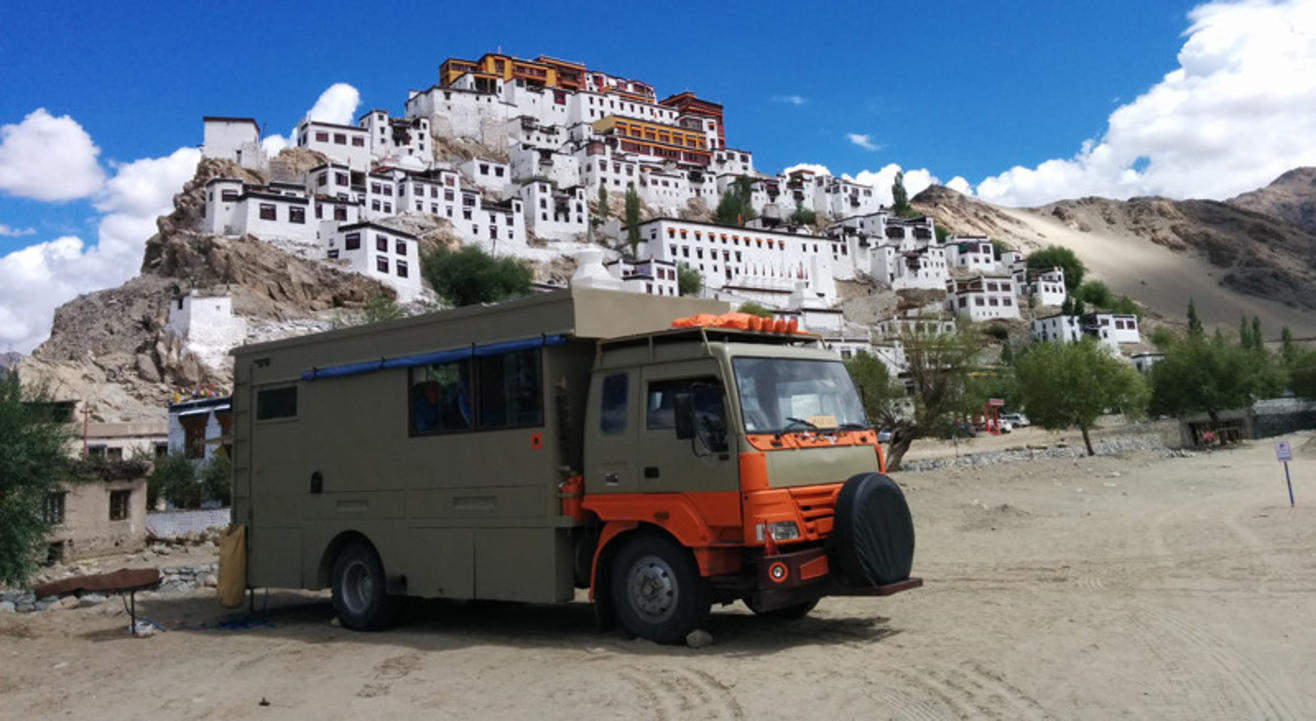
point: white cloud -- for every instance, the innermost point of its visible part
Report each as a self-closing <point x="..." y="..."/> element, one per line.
<point x="40" y="277"/>
<point x="790" y="99"/>
<point x="915" y="180"/>
<point x="863" y="140"/>
<point x="960" y="185"/>
<point x="272" y="144"/>
<point x="6" y="231"/>
<point x="1238" y="111"/>
<point x="814" y="168"/>
<point x="337" y="104"/>
<point x="48" y="158"/>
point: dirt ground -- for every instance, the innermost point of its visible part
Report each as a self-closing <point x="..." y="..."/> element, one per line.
<point x="1133" y="587"/>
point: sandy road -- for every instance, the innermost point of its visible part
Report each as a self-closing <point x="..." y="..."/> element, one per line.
<point x="1179" y="588"/>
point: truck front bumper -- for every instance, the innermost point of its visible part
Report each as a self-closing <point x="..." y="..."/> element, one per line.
<point x="795" y="577"/>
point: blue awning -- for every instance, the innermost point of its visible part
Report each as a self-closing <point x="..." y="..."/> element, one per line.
<point x="432" y="357"/>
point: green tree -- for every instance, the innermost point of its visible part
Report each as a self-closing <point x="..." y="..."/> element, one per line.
<point x="941" y="233"/>
<point x="802" y="215"/>
<point x="1053" y="256"/>
<point x="735" y="207"/>
<point x="33" y="459"/>
<point x="688" y="280"/>
<point x="1302" y="375"/>
<point x="1194" y="323"/>
<point x="381" y="307"/>
<point x="880" y="393"/>
<point x="603" y="202"/>
<point x="1288" y="350"/>
<point x="1065" y="385"/>
<point x="469" y="275"/>
<point x="754" y="309"/>
<point x="999" y="248"/>
<point x="1124" y="304"/>
<point x="1067" y="305"/>
<point x="900" y="198"/>
<point x="1096" y="294"/>
<point x="938" y="368"/>
<point x="175" y="479"/>
<point x="1258" y="339"/>
<point x="632" y="219"/>
<point x="1080" y="309"/>
<point x="217" y="478"/>
<point x="1210" y="376"/>
<point x="1244" y="332"/>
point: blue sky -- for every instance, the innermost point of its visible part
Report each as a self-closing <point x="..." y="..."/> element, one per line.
<point x="972" y="90"/>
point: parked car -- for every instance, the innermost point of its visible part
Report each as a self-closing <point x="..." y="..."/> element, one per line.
<point x="1006" y="426"/>
<point x="884" y="435"/>
<point x="1018" y="420"/>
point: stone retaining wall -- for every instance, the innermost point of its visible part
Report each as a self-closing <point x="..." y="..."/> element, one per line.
<point x="1109" y="446"/>
<point x="173" y="580"/>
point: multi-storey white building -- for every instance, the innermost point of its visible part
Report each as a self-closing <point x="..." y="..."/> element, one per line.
<point x="1057" y="328"/>
<point x="1113" y="328"/>
<point x="1048" y="286"/>
<point x="378" y="252"/>
<point x="984" y="297"/>
<point x="973" y="253"/>
<point x="340" y="143"/>
<point x="654" y="277"/>
<point x="1108" y="329"/>
<point x="552" y="213"/>
<point x="909" y="264"/>
<point x="756" y="264"/>
<point x="236" y="139"/>
<point x="398" y="138"/>
<point x="915" y="322"/>
<point x="529" y="162"/>
<point x="274" y="211"/>
<point x="487" y="174"/>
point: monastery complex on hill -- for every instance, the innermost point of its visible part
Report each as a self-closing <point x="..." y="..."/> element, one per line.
<point x="555" y="133"/>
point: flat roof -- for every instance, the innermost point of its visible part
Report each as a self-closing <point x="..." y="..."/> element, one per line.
<point x="376" y="226"/>
<point x="226" y="119"/>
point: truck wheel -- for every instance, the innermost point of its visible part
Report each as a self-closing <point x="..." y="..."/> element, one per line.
<point x="358" y="589"/>
<point x="789" y="613"/>
<point x="657" y="591"/>
<point x="873" y="540"/>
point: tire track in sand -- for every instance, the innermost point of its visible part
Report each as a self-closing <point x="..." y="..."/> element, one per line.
<point x="972" y="691"/>
<point x="672" y="694"/>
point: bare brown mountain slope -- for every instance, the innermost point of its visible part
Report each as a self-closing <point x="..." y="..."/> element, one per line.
<point x="1291" y="197"/>
<point x="1230" y="261"/>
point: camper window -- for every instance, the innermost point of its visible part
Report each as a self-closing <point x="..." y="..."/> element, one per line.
<point x="511" y="394"/>
<point x="276" y="403"/>
<point x="440" y="398"/>
<point x="612" y="416"/>
<point x="661" y="407"/>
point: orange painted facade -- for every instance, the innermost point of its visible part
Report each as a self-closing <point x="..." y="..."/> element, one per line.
<point x="657" y="139"/>
<point x="688" y="104"/>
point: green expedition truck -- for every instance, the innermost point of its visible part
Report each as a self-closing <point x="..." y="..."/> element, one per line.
<point x="573" y="439"/>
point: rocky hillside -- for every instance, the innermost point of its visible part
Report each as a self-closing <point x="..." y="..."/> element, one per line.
<point x="1161" y="252"/>
<point x="1292" y="197"/>
<point x="111" y="346"/>
<point x="8" y="360"/>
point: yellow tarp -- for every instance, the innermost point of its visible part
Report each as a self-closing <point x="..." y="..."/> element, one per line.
<point x="232" y="567"/>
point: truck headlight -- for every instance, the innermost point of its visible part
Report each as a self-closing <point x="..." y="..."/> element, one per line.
<point x="781" y="530"/>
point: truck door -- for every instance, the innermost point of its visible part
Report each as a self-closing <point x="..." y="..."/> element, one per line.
<point x="611" y="432"/>
<point x="682" y="465"/>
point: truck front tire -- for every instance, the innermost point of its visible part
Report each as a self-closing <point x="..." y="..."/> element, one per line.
<point x="657" y="591"/>
<point x="358" y="589"/>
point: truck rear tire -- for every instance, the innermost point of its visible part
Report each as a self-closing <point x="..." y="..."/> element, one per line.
<point x="358" y="589"/>
<point x="657" y="591"/>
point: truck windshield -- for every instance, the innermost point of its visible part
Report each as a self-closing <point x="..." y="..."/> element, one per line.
<point x="778" y="394"/>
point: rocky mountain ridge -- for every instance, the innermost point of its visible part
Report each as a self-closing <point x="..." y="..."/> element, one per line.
<point x="1290" y="197"/>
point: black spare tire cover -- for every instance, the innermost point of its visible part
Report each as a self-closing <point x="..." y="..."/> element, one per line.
<point x="873" y="533"/>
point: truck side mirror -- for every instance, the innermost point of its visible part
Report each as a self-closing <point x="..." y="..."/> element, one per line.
<point x="684" y="407"/>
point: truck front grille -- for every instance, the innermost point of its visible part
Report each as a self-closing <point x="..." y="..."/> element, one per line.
<point x="817" y="505"/>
